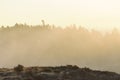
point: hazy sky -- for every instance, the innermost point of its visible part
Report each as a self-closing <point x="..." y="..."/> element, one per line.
<point x="98" y="14"/>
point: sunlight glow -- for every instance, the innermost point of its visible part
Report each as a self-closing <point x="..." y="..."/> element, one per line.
<point x="98" y="14"/>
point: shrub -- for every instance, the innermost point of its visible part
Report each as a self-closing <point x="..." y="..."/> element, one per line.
<point x="18" y="68"/>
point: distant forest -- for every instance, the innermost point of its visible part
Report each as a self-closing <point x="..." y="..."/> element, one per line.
<point x="43" y="26"/>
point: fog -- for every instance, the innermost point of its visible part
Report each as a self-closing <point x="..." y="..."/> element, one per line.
<point x="45" y="45"/>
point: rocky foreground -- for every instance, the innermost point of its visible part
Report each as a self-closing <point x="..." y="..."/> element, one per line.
<point x="68" y="72"/>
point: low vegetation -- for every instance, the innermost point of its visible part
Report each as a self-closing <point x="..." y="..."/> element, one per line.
<point x="68" y="72"/>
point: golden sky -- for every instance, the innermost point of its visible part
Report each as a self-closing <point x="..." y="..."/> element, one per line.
<point x="97" y="14"/>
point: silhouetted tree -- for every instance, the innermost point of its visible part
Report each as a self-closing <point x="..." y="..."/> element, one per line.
<point x="43" y="23"/>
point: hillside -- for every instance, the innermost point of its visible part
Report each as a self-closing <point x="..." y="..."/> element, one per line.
<point x="68" y="72"/>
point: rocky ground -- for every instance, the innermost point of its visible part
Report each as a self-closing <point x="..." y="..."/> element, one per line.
<point x="68" y="72"/>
